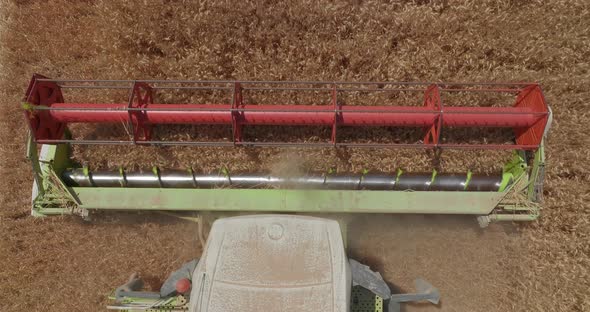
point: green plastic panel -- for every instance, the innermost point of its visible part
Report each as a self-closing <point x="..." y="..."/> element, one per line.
<point x="282" y="200"/>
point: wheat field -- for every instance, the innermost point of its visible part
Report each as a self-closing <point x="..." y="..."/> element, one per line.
<point x="62" y="263"/>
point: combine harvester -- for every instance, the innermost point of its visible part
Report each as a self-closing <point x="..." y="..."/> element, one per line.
<point x="63" y="186"/>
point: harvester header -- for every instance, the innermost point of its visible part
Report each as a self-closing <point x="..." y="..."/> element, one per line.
<point x="432" y="110"/>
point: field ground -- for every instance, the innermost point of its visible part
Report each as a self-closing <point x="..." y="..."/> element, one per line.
<point x="62" y="263"/>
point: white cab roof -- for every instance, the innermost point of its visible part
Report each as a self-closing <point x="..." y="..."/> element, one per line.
<point x="272" y="263"/>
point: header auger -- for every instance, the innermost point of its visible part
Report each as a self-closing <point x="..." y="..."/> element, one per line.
<point x="64" y="187"/>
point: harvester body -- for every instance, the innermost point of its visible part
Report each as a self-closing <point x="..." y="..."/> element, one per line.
<point x="283" y="262"/>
